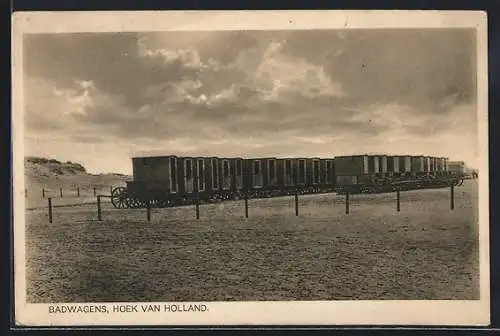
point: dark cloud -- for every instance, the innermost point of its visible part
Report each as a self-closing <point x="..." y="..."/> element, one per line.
<point x="110" y="60"/>
<point x="410" y="66"/>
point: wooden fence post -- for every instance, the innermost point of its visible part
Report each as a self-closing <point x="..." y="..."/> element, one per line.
<point x="25" y="193"/>
<point x="43" y="192"/>
<point x="296" y="203"/>
<point x="347" y="203"/>
<point x="94" y="192"/>
<point x="77" y="192"/>
<point x="99" y="211"/>
<point x="50" y="209"/>
<point x="60" y="192"/>
<point x="398" y="200"/>
<point x="452" y="198"/>
<point x="198" y="207"/>
<point x="149" y="211"/>
<point x="111" y="190"/>
<point x="197" y="203"/>
<point x="246" y="205"/>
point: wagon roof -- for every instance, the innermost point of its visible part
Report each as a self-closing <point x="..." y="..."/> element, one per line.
<point x="281" y="158"/>
<point x="154" y="157"/>
<point x="302" y="157"/>
<point x="390" y="155"/>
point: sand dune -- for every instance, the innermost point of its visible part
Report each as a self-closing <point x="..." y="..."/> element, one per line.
<point x="48" y="176"/>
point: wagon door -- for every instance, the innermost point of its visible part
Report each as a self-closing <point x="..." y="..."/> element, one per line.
<point x="214" y="168"/>
<point x="200" y="173"/>
<point x="316" y="172"/>
<point x="301" y="174"/>
<point x="226" y="175"/>
<point x="271" y="171"/>
<point x="173" y="175"/>
<point x="162" y="175"/>
<point x="188" y="176"/>
<point x="390" y="165"/>
<point x="326" y="174"/>
<point x="258" y="178"/>
<point x="407" y="164"/>
<point x="427" y="164"/>
<point x="330" y="172"/>
<point x="239" y="174"/>
<point x="288" y="173"/>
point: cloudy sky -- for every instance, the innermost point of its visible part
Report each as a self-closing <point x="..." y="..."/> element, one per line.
<point x="101" y="98"/>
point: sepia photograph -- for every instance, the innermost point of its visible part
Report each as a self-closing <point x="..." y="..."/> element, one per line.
<point x="272" y="167"/>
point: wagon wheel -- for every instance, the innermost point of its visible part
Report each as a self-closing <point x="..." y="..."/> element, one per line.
<point x="131" y="202"/>
<point x="153" y="203"/>
<point x="119" y="198"/>
<point x="160" y="203"/>
<point x="135" y="203"/>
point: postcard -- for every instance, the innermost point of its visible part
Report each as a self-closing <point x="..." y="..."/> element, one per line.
<point x="250" y="168"/>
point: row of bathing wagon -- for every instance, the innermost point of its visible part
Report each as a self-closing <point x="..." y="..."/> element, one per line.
<point x="174" y="180"/>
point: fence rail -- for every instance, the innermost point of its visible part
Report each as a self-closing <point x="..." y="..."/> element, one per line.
<point x="347" y="201"/>
<point x="81" y="191"/>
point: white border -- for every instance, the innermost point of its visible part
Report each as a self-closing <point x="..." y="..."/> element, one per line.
<point x="458" y="313"/>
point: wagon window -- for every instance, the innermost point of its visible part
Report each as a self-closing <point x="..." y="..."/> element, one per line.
<point x="215" y="174"/>
<point x="201" y="176"/>
<point x="173" y="174"/>
<point x="256" y="167"/>
<point x="225" y="169"/>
